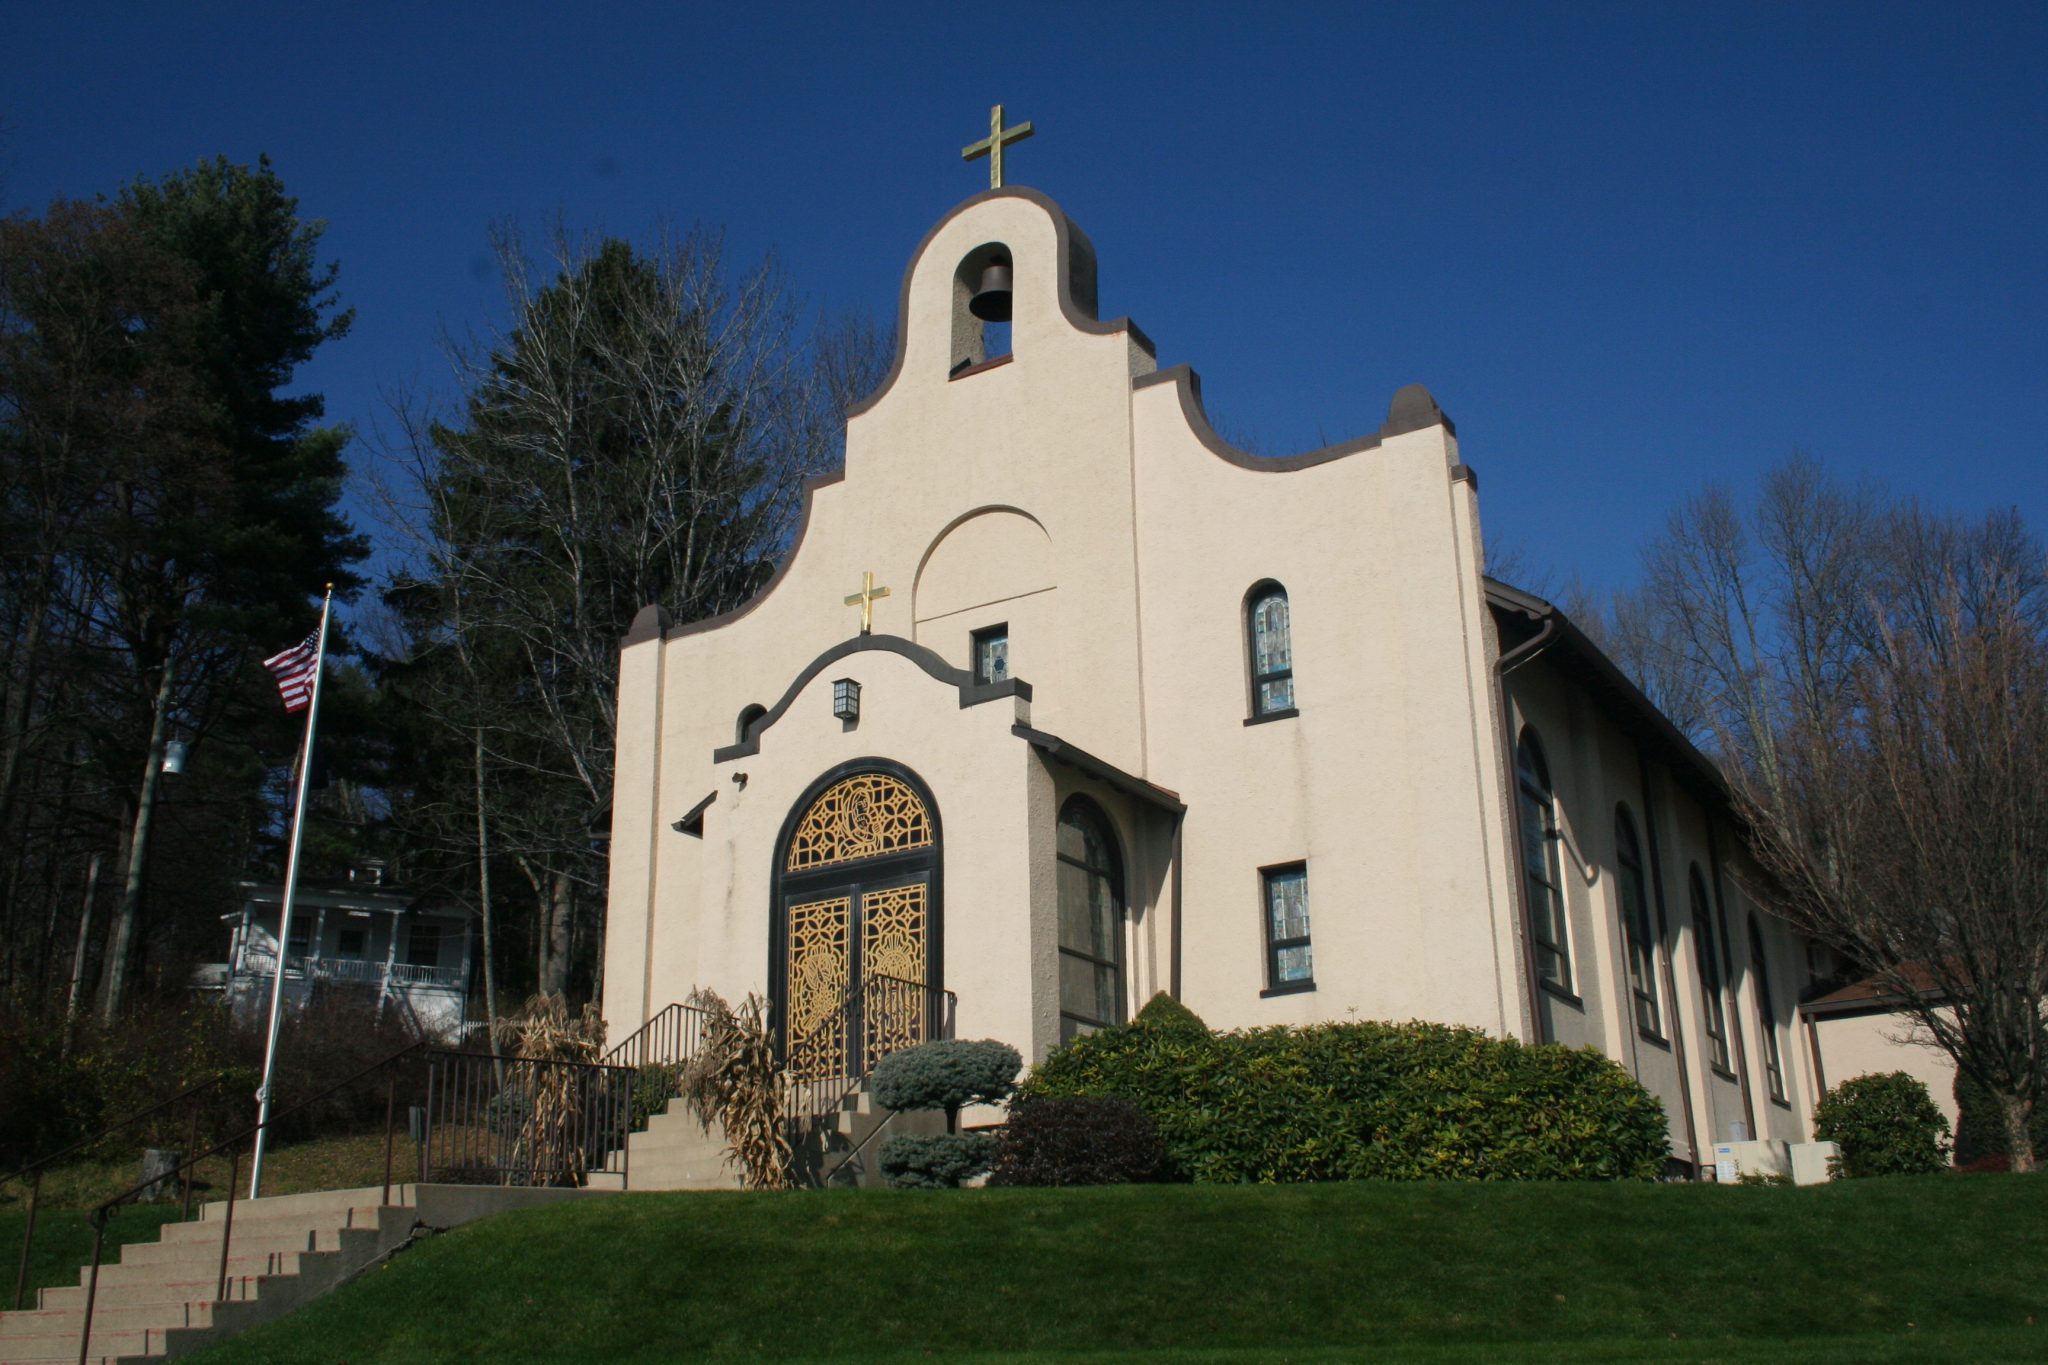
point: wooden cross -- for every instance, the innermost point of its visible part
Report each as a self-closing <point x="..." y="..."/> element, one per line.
<point x="865" y="600"/>
<point x="992" y="145"/>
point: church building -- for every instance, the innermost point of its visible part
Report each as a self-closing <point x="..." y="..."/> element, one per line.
<point x="1058" y="701"/>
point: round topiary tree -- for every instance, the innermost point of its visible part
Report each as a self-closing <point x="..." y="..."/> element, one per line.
<point x="945" y="1075"/>
<point x="1885" y="1124"/>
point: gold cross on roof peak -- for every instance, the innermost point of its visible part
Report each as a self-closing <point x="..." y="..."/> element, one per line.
<point x="865" y="600"/>
<point x="992" y="145"/>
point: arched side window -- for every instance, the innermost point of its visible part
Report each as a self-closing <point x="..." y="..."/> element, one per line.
<point x="1269" y="645"/>
<point x="1635" y="925"/>
<point x="1766" y="1012"/>
<point x="1710" y="972"/>
<point x="750" y="713"/>
<point x="1091" y="897"/>
<point x="1542" y="884"/>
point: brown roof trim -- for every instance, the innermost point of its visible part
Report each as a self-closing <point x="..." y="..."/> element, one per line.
<point x="1698" y="772"/>
<point x="692" y="822"/>
<point x="972" y="693"/>
<point x="1411" y="410"/>
<point x="1053" y="747"/>
<point x="1073" y="283"/>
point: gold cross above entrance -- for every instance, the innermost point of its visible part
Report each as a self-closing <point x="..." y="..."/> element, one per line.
<point x="992" y="145"/>
<point x="865" y="600"/>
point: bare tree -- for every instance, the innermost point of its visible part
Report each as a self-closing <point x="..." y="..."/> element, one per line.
<point x="640" y="433"/>
<point x="1874" y="678"/>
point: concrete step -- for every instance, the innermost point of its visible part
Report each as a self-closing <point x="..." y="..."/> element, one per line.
<point x="64" y="1346"/>
<point x="31" y="1322"/>
<point x="137" y="1292"/>
<point x="242" y="1242"/>
<point x="198" y="1265"/>
<point x="250" y="1223"/>
<point x="315" y="1207"/>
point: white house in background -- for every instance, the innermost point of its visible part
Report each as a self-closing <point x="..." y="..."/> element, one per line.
<point x="391" y="949"/>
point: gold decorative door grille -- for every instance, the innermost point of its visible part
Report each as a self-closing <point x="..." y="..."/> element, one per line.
<point x="855" y="960"/>
<point x="893" y="935"/>
<point x="819" y="972"/>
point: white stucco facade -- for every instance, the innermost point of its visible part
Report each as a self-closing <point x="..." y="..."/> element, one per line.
<point x="1074" y="494"/>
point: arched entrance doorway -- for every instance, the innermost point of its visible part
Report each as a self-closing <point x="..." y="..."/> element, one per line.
<point x="855" y="952"/>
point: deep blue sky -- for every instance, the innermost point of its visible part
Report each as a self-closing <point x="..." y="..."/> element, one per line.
<point x="1629" y="247"/>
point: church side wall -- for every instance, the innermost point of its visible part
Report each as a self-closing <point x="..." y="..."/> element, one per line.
<point x="1596" y="768"/>
<point x="1374" y="785"/>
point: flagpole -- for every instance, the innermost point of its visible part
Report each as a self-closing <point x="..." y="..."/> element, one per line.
<point x="291" y="887"/>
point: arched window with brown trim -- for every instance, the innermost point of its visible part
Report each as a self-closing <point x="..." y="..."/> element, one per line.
<point x="1766" y="1012"/>
<point x="1636" y="933"/>
<point x="1710" y="972"/>
<point x="1269" y="646"/>
<point x="1542" y="884"/>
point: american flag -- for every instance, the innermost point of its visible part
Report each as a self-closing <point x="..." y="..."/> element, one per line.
<point x="295" y="669"/>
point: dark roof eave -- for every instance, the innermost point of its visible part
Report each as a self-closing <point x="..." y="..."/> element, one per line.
<point x="1700" y="773"/>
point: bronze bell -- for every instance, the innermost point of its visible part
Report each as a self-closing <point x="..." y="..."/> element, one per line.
<point x="991" y="302"/>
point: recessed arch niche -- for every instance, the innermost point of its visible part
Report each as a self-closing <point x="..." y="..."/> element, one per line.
<point x="989" y="556"/>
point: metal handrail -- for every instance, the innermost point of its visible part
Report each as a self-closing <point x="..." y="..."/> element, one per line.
<point x="35" y="1169"/>
<point x="815" y="1097"/>
<point x="105" y="1211"/>
<point x="674" y="1022"/>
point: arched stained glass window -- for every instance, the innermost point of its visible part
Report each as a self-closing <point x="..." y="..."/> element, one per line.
<point x="1635" y="925"/>
<point x="1542" y="885"/>
<point x="1091" y="896"/>
<point x="1710" y="971"/>
<point x="1272" y="650"/>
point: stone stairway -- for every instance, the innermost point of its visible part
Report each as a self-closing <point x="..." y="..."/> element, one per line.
<point x="676" y="1153"/>
<point x="158" y="1300"/>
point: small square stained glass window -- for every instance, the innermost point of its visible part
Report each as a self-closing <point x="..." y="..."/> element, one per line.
<point x="992" y="654"/>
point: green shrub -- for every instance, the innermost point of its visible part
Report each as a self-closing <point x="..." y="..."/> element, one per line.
<point x="1077" y="1140"/>
<point x="946" y="1075"/>
<point x="1368" y="1100"/>
<point x="1980" y="1126"/>
<point x="1163" y="1011"/>
<point x="938" y="1162"/>
<point x="1886" y="1124"/>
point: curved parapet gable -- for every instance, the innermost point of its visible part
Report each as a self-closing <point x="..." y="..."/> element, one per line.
<point x="796" y="541"/>
<point x="1074" y="283"/>
<point x="1412" y="409"/>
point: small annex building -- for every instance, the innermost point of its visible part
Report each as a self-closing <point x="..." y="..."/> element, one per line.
<point x="1059" y="701"/>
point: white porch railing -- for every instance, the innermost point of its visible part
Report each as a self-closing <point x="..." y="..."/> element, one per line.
<point x="351" y="971"/>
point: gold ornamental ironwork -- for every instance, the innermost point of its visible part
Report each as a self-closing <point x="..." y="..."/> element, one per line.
<point x="862" y="816"/>
<point x="819" y="940"/>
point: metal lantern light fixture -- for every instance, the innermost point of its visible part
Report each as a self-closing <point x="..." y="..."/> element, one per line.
<point x="846" y="699"/>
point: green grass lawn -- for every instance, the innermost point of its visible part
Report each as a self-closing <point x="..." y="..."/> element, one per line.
<point x="1934" y="1268"/>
